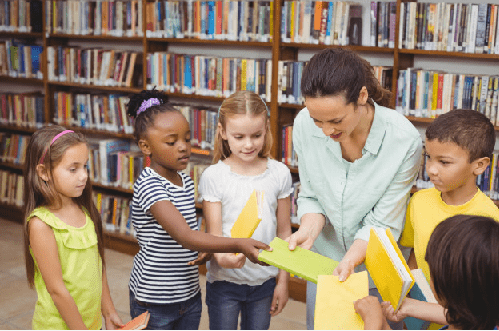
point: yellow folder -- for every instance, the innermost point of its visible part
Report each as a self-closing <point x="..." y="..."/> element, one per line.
<point x="334" y="302"/>
<point x="249" y="218"/>
<point x="387" y="267"/>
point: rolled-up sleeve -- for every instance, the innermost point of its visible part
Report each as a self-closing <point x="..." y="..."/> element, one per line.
<point x="307" y="198"/>
<point x="390" y="210"/>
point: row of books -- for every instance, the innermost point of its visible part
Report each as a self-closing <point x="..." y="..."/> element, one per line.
<point x="203" y="124"/>
<point x="487" y="182"/>
<point x="383" y="16"/>
<point x="424" y="93"/>
<point x="93" y="111"/>
<point x="321" y="22"/>
<point x="91" y="17"/>
<point x="208" y="75"/>
<point x="11" y="188"/>
<point x="114" y="212"/>
<point x="221" y="19"/>
<point x="452" y="27"/>
<point x="195" y="169"/>
<point x="289" y="80"/>
<point x="93" y="66"/>
<point x="22" y="109"/>
<point x="114" y="162"/>
<point x="13" y="147"/>
<point x="288" y="155"/>
<point x="20" y="60"/>
<point x="20" y="16"/>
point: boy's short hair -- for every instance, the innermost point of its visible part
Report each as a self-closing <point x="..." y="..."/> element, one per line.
<point x="469" y="129"/>
<point x="463" y="256"/>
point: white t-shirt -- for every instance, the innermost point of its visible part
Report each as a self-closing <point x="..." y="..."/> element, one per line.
<point x="218" y="183"/>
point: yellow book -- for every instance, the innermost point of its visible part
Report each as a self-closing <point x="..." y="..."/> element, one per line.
<point x="249" y="218"/>
<point x="387" y="267"/>
<point x="334" y="302"/>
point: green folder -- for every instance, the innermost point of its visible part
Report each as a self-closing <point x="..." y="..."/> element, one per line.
<point x="300" y="262"/>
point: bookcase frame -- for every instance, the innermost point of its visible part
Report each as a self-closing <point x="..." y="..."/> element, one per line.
<point x="280" y="114"/>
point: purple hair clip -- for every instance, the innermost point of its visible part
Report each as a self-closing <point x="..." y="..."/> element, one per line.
<point x="148" y="103"/>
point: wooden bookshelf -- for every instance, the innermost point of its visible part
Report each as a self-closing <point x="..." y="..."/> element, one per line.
<point x="281" y="113"/>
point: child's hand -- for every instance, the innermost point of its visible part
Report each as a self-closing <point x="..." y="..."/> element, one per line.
<point x="390" y="313"/>
<point x="250" y="248"/>
<point x="230" y="260"/>
<point x="280" y="299"/>
<point x="113" y="321"/>
<point x="371" y="313"/>
<point x="202" y="259"/>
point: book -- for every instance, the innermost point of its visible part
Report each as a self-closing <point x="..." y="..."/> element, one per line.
<point x="138" y="323"/>
<point x="420" y="291"/>
<point x="387" y="267"/>
<point x="334" y="308"/>
<point x="249" y="218"/>
<point x="301" y="262"/>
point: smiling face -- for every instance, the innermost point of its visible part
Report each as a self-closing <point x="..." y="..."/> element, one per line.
<point x="337" y="119"/>
<point x="245" y="135"/>
<point x="70" y="174"/>
<point x="168" y="143"/>
<point x="449" y="168"/>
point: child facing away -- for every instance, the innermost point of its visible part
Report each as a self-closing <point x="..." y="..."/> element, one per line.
<point x="463" y="258"/>
<point x="459" y="146"/>
<point x="164" y="278"/>
<point x="242" y="165"/>
<point x="63" y="235"/>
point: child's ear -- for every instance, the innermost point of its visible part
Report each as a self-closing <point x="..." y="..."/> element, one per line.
<point x="479" y="165"/>
<point x="222" y="131"/>
<point x="42" y="172"/>
<point x="144" y="147"/>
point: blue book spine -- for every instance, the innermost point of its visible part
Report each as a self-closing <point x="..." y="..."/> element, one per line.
<point x="330" y="12"/>
<point x="211" y="19"/>
<point x="188" y="72"/>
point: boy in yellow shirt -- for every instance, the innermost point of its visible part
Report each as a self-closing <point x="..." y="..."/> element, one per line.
<point x="459" y="147"/>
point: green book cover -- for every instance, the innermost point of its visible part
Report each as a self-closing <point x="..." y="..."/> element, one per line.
<point x="301" y="262"/>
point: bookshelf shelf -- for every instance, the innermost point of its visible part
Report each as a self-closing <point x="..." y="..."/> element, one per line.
<point x="12" y="166"/>
<point x="368" y="49"/>
<point x="16" y="128"/>
<point x="212" y="42"/>
<point x="10" y="34"/>
<point x="95" y="37"/>
<point x="195" y="96"/>
<point x="449" y="54"/>
<point x="21" y="80"/>
<point x="104" y="133"/>
<point x="97" y="87"/>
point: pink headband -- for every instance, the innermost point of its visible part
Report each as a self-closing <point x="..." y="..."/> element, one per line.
<point x="57" y="136"/>
<point x="148" y="103"/>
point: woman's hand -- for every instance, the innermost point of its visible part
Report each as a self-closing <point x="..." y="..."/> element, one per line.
<point x="230" y="260"/>
<point x="300" y="238"/>
<point x="202" y="259"/>
<point x="113" y="321"/>
<point x="344" y="269"/>
<point x="371" y="313"/>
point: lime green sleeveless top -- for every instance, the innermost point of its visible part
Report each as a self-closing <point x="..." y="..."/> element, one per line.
<point x="81" y="270"/>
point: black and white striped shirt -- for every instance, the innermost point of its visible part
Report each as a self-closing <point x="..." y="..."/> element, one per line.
<point x="160" y="272"/>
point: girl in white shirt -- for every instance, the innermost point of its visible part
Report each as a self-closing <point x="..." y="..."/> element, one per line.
<point x="242" y="165"/>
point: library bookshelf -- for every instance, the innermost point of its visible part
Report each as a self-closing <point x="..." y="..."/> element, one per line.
<point x="281" y="113"/>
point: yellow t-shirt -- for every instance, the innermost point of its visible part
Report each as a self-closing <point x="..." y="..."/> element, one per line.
<point x="81" y="267"/>
<point x="427" y="209"/>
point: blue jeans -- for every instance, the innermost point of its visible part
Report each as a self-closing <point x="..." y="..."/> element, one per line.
<point x="311" y="293"/>
<point x="174" y="316"/>
<point x="225" y="300"/>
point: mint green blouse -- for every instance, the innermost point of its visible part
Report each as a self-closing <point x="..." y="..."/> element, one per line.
<point x="372" y="191"/>
<point x="81" y="271"/>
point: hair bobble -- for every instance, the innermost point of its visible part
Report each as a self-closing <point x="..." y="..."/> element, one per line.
<point x="147" y="104"/>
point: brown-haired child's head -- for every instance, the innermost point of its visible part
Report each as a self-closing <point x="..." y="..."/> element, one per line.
<point x="463" y="257"/>
<point x="469" y="129"/>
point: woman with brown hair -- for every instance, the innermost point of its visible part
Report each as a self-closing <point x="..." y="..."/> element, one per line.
<point x="357" y="162"/>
